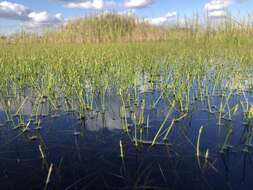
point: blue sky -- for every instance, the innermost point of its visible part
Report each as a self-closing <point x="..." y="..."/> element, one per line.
<point x="17" y="14"/>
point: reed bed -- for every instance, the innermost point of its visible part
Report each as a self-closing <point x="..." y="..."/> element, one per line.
<point x="45" y="79"/>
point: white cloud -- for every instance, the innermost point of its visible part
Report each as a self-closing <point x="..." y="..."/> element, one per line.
<point x="138" y="3"/>
<point x="218" y="14"/>
<point x="38" y="19"/>
<point x="218" y="8"/>
<point x="163" y="20"/>
<point x="90" y="4"/>
<point x="217" y="5"/>
<point x="14" y="11"/>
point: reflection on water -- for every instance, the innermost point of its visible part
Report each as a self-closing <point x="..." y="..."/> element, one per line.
<point x="86" y="154"/>
<point x="84" y="149"/>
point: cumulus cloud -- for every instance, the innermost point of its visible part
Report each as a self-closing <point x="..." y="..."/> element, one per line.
<point x="38" y="19"/>
<point x="218" y="8"/>
<point x="14" y="11"/>
<point x="217" y="14"/>
<point x="163" y="20"/>
<point x="88" y="4"/>
<point x="138" y="3"/>
<point x="216" y="5"/>
<point x="96" y="4"/>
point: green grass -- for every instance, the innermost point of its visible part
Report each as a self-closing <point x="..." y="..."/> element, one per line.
<point x="79" y="77"/>
<point x="53" y="70"/>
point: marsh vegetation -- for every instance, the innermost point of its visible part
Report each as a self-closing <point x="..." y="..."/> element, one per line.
<point x="172" y="111"/>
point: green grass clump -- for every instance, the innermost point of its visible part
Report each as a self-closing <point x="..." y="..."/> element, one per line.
<point x="107" y="28"/>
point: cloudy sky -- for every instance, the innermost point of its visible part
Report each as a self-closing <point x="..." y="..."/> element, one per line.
<point x="19" y="14"/>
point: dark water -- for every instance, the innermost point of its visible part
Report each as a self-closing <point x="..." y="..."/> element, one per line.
<point x="86" y="155"/>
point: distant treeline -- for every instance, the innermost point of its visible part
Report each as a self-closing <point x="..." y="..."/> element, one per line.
<point x="112" y="27"/>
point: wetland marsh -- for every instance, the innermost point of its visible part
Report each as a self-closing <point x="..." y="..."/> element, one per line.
<point x="168" y="114"/>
